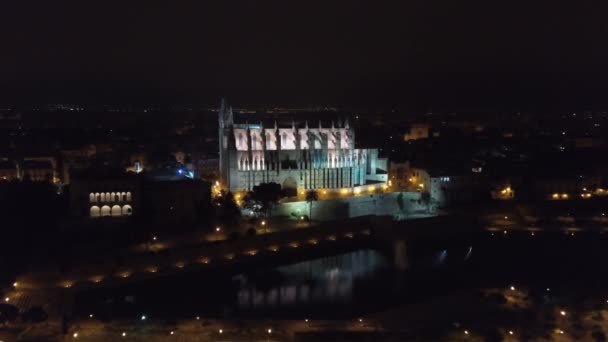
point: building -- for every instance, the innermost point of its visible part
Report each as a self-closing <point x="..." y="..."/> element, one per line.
<point x="298" y="157"/>
<point x="161" y="196"/>
<point x="104" y="193"/>
<point x="40" y="170"/>
<point x="398" y="172"/>
<point x="8" y="170"/>
<point x="417" y="131"/>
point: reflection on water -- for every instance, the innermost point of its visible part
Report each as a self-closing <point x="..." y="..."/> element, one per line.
<point x="327" y="280"/>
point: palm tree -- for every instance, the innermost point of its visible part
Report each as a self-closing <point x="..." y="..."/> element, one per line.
<point x="311" y="196"/>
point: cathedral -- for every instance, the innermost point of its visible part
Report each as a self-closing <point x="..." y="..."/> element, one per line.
<point x="298" y="157"/>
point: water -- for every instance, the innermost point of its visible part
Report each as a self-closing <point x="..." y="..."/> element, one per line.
<point x="312" y="285"/>
<point x="356" y="283"/>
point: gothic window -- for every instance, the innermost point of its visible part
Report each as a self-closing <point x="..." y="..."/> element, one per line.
<point x="241" y="139"/>
<point x="254" y="142"/>
<point x="284" y="139"/>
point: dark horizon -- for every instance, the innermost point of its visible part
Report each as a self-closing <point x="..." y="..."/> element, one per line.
<point x="346" y="53"/>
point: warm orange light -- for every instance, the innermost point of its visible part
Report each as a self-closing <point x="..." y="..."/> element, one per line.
<point x="555" y="196"/>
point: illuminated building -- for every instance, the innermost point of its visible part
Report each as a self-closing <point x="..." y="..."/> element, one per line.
<point x="296" y="157"/>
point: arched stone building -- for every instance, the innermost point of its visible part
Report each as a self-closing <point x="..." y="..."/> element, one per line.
<point x="298" y="156"/>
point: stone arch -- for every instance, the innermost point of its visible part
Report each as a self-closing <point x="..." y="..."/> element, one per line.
<point x="123" y="196"/>
<point x="105" y="210"/>
<point x="128" y="196"/>
<point x="97" y="197"/>
<point x="95" y="211"/>
<point x="127" y="210"/>
<point x="102" y="197"/>
<point x="113" y="197"/>
<point x="92" y="198"/>
<point x="108" y="197"/>
<point x="116" y="210"/>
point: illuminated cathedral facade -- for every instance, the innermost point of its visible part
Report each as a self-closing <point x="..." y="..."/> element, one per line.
<point x="298" y="157"/>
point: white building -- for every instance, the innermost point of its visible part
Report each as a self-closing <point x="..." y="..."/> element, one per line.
<point x="297" y="157"/>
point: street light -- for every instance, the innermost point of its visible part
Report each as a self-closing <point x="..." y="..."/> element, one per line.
<point x="75" y="335"/>
<point x="512" y="288"/>
<point x="15" y="284"/>
<point x="6" y="299"/>
<point x="217" y="229"/>
<point x="124" y="334"/>
<point x="143" y="317"/>
<point x="263" y="223"/>
<point x="563" y="313"/>
<point x="221" y="331"/>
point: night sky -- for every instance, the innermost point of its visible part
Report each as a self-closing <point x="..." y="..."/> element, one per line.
<point x="412" y="52"/>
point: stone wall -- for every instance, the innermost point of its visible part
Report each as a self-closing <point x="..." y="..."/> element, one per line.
<point x="342" y="208"/>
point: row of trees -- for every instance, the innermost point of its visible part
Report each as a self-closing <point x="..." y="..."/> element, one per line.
<point x="262" y="199"/>
<point x="10" y="313"/>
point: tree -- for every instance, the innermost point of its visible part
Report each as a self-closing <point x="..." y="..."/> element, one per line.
<point x="400" y="201"/>
<point x="267" y="194"/>
<point x="311" y="196"/>
<point x="8" y="313"/>
<point x="35" y="314"/>
<point x="425" y="197"/>
<point x="226" y="207"/>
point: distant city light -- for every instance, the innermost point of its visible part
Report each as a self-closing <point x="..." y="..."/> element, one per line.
<point x="198" y="318"/>
<point x="217" y="229"/>
<point x="6" y="299"/>
<point x="172" y="332"/>
<point x="563" y="313"/>
<point x="510" y="332"/>
<point x="221" y="331"/>
<point x="512" y="288"/>
<point x="466" y="332"/>
<point x="143" y="317"/>
<point x="15" y="284"/>
<point x="180" y="171"/>
<point x="270" y="331"/>
<point x="90" y="315"/>
<point x="124" y="334"/>
<point x="263" y="223"/>
<point x="75" y="335"/>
